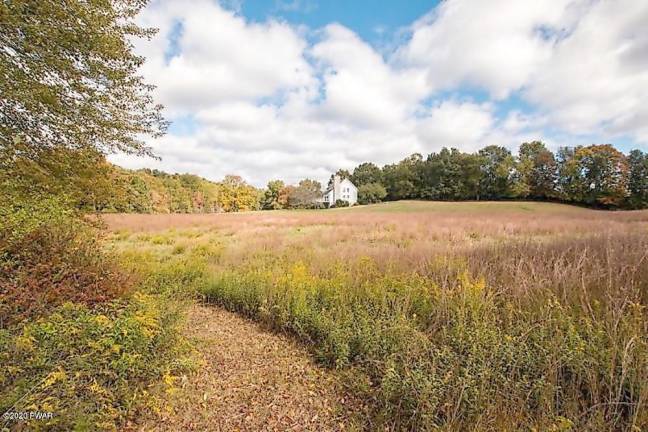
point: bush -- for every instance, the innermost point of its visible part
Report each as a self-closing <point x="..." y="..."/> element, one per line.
<point x="92" y="368"/>
<point x="49" y="255"/>
<point x="341" y="203"/>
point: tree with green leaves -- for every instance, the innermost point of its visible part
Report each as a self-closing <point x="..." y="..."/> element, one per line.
<point x="594" y="175"/>
<point x="366" y="173"/>
<point x="401" y="179"/>
<point x="638" y="179"/>
<point x="370" y="193"/>
<point x="497" y="172"/>
<point x="70" y="77"/>
<point x="342" y="173"/>
<point x="536" y="171"/>
<point x="441" y="176"/>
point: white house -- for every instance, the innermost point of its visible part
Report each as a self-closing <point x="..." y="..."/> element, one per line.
<point x="341" y="190"/>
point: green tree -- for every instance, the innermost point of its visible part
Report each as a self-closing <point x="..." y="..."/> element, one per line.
<point x="497" y="172"/>
<point x="441" y="175"/>
<point x="536" y="171"/>
<point x="342" y="173"/>
<point x="271" y="196"/>
<point x="366" y="173"/>
<point x="638" y="179"/>
<point x="471" y="174"/>
<point x="370" y="193"/>
<point x="596" y="174"/>
<point x="70" y="77"/>
<point x="401" y="179"/>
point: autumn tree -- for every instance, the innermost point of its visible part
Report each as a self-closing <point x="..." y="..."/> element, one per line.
<point x="271" y="196"/>
<point x="236" y="195"/>
<point x="596" y="174"/>
<point x="305" y="194"/>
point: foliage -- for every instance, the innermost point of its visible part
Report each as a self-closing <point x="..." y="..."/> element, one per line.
<point x="272" y="195"/>
<point x="596" y="175"/>
<point x="537" y="170"/>
<point x="638" y="179"/>
<point x="497" y="173"/>
<point x="400" y="179"/>
<point x="49" y="255"/>
<point x="366" y="173"/>
<point x="341" y="203"/>
<point x="370" y="193"/>
<point x="305" y="194"/>
<point x="70" y="78"/>
<point x="93" y="368"/>
<point x="153" y="191"/>
<point x="236" y="195"/>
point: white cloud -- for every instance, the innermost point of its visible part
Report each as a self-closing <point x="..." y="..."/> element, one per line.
<point x="493" y="44"/>
<point x="596" y="80"/>
<point x="222" y="58"/>
<point x="268" y="104"/>
<point x="360" y="87"/>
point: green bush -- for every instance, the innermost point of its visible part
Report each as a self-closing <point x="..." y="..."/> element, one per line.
<point x="341" y="203"/>
<point x="93" y="368"/>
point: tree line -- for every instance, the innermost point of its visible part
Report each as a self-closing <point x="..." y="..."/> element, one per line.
<point x="594" y="175"/>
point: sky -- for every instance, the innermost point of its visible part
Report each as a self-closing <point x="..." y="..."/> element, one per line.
<point x="293" y="89"/>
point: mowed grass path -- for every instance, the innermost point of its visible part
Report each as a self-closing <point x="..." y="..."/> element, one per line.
<point x="248" y="379"/>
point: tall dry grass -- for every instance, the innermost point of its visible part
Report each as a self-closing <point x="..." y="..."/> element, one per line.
<point x="476" y="320"/>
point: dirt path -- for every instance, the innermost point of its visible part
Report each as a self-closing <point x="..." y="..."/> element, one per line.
<point x="252" y="380"/>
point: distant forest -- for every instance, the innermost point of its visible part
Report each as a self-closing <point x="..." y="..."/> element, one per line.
<point x="596" y="175"/>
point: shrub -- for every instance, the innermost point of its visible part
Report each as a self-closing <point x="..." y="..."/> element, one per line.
<point x="93" y="368"/>
<point x="50" y="255"/>
<point x="341" y="203"/>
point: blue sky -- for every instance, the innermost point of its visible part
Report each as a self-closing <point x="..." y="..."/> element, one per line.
<point x="373" y="21"/>
<point x="299" y="88"/>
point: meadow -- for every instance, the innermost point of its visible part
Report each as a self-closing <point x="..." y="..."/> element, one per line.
<point x="438" y="316"/>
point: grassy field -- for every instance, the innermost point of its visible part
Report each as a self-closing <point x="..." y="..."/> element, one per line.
<point x="450" y="316"/>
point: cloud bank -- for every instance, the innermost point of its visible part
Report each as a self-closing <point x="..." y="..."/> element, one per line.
<point x="272" y="100"/>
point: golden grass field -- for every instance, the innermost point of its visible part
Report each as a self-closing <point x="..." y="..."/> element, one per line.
<point x="433" y="316"/>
